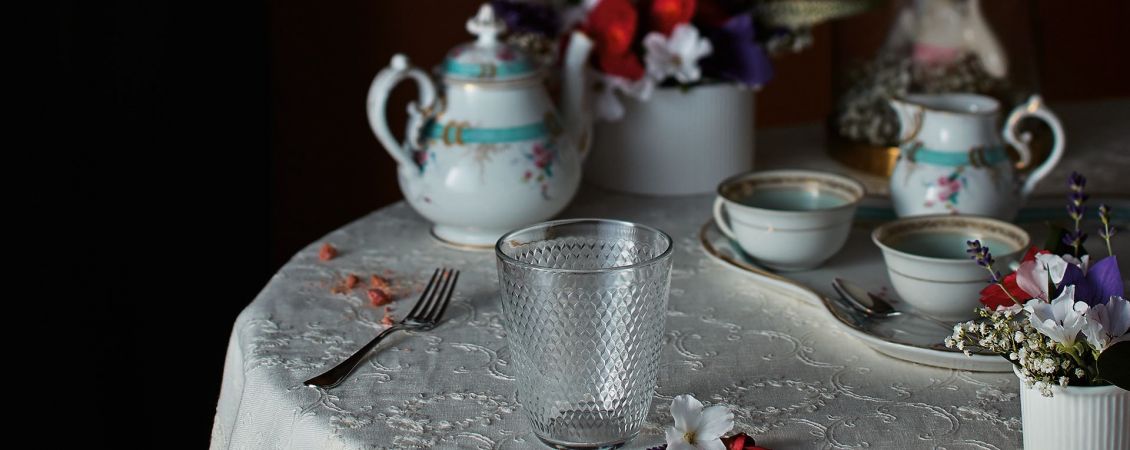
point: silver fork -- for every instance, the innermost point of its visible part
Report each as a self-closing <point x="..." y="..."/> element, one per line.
<point x="425" y="315"/>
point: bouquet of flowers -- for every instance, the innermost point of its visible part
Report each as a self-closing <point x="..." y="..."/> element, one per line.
<point x="1061" y="318"/>
<point x="639" y="44"/>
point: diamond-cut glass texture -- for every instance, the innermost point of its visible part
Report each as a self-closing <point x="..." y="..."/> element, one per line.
<point x="584" y="322"/>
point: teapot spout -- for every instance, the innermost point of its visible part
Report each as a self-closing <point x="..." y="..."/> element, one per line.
<point x="910" y="118"/>
<point x="574" y="93"/>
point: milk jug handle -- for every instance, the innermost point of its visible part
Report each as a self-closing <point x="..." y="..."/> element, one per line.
<point x="1034" y="107"/>
<point x="388" y="78"/>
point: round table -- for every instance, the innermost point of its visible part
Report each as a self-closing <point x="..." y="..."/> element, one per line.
<point x="791" y="377"/>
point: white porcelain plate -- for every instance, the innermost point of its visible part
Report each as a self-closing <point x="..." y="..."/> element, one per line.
<point x="904" y="337"/>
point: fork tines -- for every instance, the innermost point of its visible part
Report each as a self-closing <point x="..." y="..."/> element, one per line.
<point x="435" y="297"/>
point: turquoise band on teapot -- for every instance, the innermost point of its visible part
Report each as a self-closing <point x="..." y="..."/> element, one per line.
<point x="514" y="69"/>
<point x="456" y="133"/>
<point x="975" y="157"/>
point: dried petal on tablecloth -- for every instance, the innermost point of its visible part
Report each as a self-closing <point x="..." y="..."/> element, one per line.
<point x="327" y="252"/>
<point x="379" y="297"/>
<point x="387" y="319"/>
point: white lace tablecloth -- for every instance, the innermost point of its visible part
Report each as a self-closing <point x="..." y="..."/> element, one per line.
<point x="792" y="379"/>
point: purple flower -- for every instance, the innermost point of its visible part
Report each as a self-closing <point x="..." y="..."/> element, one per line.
<point x="527" y="17"/>
<point x="1104" y="216"/>
<point x="1076" y="182"/>
<point x="1075" y="209"/>
<point x="737" y="56"/>
<point x="1102" y="280"/>
<point x="1074" y="238"/>
<point x="1106" y="232"/>
<point x="1075" y="202"/>
<point x="984" y="258"/>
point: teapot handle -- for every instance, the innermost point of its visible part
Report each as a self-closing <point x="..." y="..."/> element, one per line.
<point x="388" y="78"/>
<point x="1034" y="107"/>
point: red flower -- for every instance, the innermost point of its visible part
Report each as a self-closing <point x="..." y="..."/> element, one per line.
<point x="993" y="296"/>
<point x="612" y="27"/>
<point x="667" y="14"/>
<point x="626" y="66"/>
<point x="741" y="441"/>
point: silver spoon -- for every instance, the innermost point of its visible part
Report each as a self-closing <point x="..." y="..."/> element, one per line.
<point x="873" y="305"/>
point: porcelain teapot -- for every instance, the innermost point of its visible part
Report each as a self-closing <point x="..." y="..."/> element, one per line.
<point x="952" y="158"/>
<point x="492" y="153"/>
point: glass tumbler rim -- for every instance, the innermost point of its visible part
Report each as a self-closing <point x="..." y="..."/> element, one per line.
<point x="502" y="256"/>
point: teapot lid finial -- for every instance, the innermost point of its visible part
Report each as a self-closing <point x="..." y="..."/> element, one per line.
<point x="488" y="58"/>
<point x="486" y="26"/>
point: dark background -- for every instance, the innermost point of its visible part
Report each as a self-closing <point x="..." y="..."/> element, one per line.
<point x="233" y="133"/>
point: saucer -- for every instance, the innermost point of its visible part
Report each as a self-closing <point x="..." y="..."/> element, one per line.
<point x="903" y="336"/>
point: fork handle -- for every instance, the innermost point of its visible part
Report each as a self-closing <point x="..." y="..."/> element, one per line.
<point x="338" y="373"/>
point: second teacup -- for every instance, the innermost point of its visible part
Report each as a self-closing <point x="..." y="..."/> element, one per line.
<point x="928" y="265"/>
<point x="788" y="219"/>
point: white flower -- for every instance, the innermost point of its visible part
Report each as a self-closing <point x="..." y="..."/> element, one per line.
<point x="697" y="428"/>
<point x="1061" y="320"/>
<point x="1054" y="266"/>
<point x="1032" y="277"/>
<point x="1083" y="262"/>
<point x="607" y="103"/>
<point x="1107" y="323"/>
<point x="677" y="55"/>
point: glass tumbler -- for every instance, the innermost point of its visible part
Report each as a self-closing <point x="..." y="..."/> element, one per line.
<point x="584" y="305"/>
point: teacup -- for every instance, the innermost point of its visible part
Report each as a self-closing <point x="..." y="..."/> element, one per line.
<point x="788" y="220"/>
<point x="928" y="265"/>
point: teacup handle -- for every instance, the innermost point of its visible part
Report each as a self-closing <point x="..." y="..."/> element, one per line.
<point x="719" y="210"/>
<point x="1034" y="107"/>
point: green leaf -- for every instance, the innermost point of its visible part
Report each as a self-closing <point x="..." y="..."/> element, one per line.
<point x="1114" y="364"/>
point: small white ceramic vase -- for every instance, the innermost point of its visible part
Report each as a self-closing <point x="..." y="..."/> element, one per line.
<point x="677" y="142"/>
<point x="1076" y="417"/>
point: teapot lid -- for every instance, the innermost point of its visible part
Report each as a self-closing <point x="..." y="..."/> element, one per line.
<point x="487" y="58"/>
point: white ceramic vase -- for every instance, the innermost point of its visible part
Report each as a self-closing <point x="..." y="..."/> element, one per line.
<point x="1076" y="417"/>
<point x="677" y="142"/>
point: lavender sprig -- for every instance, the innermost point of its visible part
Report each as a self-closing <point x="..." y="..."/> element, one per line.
<point x="1075" y="238"/>
<point x="1075" y="209"/>
<point x="984" y="258"/>
<point x="1106" y="232"/>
